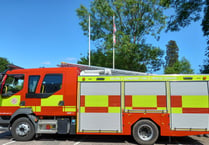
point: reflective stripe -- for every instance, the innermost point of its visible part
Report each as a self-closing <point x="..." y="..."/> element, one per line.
<point x="196" y="110"/>
<point x="96" y="101"/>
<point x="11" y="101"/>
<point x="114" y="109"/>
<point x="82" y="109"/>
<point x="189" y="104"/>
<point x="144" y="101"/>
<point x="161" y="108"/>
<point x="142" y="78"/>
<point x="34" y="108"/>
<point x="128" y="108"/>
<point x="96" y="109"/>
<point x="176" y="110"/>
<point x="38" y="108"/>
<point x="100" y="104"/>
<point x="176" y="101"/>
<point x="195" y="101"/>
<point x="69" y="109"/>
<point x="52" y="100"/>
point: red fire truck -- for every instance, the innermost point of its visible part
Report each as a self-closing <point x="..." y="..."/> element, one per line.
<point x="61" y="101"/>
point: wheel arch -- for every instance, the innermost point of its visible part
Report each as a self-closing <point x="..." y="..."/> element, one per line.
<point x="24" y="112"/>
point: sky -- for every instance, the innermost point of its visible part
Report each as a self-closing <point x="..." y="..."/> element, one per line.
<point x="44" y="33"/>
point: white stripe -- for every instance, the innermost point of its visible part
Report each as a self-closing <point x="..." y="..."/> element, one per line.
<point x="9" y="143"/>
<point x="76" y="143"/>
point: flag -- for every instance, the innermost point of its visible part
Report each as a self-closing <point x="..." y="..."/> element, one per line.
<point x="114" y="31"/>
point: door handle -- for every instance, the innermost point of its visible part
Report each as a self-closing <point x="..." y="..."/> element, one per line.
<point x="61" y="103"/>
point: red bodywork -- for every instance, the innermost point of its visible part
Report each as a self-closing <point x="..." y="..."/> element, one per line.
<point x="69" y="92"/>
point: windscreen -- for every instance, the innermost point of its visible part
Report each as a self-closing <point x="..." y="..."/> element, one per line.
<point x="13" y="84"/>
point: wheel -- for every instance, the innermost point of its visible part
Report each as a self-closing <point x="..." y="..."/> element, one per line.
<point x="145" y="132"/>
<point x="22" y="129"/>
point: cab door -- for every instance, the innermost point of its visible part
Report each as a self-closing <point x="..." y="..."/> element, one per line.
<point x="45" y="95"/>
<point x="12" y="94"/>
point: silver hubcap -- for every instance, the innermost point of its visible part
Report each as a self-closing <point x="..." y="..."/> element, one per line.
<point x="22" y="129"/>
<point x="145" y="132"/>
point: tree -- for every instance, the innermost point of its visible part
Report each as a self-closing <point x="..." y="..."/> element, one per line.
<point x="134" y="21"/>
<point x="172" y="53"/>
<point x="179" y="67"/>
<point x="185" y="67"/>
<point x="173" y="65"/>
<point x="187" y="11"/>
<point x="205" y="23"/>
<point x="204" y="69"/>
<point x="3" y="64"/>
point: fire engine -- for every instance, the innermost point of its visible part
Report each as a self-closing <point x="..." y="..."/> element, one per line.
<point x="64" y="100"/>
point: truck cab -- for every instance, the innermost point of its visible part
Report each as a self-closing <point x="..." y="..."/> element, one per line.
<point x="32" y="94"/>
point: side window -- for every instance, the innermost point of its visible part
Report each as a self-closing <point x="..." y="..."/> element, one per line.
<point x="33" y="81"/>
<point x="13" y="84"/>
<point x="51" y="83"/>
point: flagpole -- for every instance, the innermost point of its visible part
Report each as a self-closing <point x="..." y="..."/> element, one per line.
<point x="113" y="51"/>
<point x="89" y="41"/>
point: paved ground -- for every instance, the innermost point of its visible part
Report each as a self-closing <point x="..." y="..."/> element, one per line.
<point x="6" y="139"/>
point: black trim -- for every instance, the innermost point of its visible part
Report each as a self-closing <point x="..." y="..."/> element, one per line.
<point x="63" y="125"/>
<point x="4" y="121"/>
<point x="61" y="103"/>
<point x="22" y="103"/>
<point x="7" y="95"/>
<point x="188" y="78"/>
<point x="44" y="95"/>
<point x="1" y="77"/>
<point x="73" y="126"/>
<point x="21" y="111"/>
<point x="100" y="79"/>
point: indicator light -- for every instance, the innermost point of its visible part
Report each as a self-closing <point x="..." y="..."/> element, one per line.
<point x="204" y="78"/>
<point x="83" y="79"/>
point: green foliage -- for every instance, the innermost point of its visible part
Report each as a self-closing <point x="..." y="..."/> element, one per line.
<point x="205" y="67"/>
<point x="98" y="58"/>
<point x="180" y="67"/>
<point x="3" y="64"/>
<point x="205" y="23"/>
<point x="186" y="12"/>
<point x="173" y="65"/>
<point x="137" y="58"/>
<point x="134" y="20"/>
<point x="172" y="55"/>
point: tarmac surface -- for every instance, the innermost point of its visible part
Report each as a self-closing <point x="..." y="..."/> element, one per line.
<point x="6" y="139"/>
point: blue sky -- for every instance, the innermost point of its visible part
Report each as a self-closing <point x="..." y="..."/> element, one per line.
<point x="43" y="33"/>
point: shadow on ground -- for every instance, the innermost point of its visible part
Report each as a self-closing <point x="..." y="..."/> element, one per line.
<point x="119" y="139"/>
<point x="107" y="139"/>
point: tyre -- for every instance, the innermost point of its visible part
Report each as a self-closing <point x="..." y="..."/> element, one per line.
<point x="145" y="132"/>
<point x="22" y="129"/>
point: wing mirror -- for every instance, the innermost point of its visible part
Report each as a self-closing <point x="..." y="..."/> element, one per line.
<point x="1" y="77"/>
